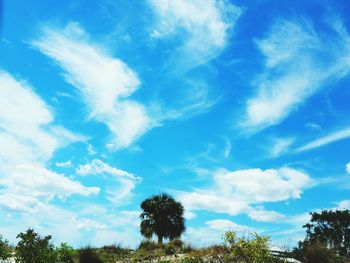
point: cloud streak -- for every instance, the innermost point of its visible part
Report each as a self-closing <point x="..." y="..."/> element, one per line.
<point x="201" y="27"/>
<point x="105" y="82"/>
<point x="299" y="61"/>
<point x="120" y="184"/>
<point x="325" y="140"/>
<point x="29" y="139"/>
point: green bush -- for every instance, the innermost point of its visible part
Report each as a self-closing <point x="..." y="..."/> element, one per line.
<point x="65" y="253"/>
<point x="178" y="243"/>
<point x="170" y="249"/>
<point x="192" y="260"/>
<point x="173" y="247"/>
<point x="31" y="248"/>
<point x="251" y="249"/>
<point x="316" y="252"/>
<point x="5" y="249"/>
<point x="149" y="245"/>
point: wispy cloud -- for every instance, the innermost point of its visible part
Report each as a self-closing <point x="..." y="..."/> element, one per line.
<point x="64" y="164"/>
<point x="223" y="225"/>
<point x="330" y="138"/>
<point x="29" y="138"/>
<point x="120" y="183"/>
<point x="196" y="100"/>
<point x="201" y="27"/>
<point x="299" y="61"/>
<point x="105" y="82"/>
<point x="280" y="146"/>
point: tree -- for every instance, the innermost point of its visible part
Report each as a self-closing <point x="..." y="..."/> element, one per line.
<point x="5" y="250"/>
<point x="331" y="228"/>
<point x="31" y="248"/>
<point x="162" y="216"/>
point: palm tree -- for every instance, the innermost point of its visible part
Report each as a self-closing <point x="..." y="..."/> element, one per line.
<point x="163" y="216"/>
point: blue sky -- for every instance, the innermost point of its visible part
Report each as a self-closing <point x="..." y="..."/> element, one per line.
<point x="239" y="109"/>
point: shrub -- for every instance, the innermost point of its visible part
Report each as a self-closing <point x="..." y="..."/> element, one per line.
<point x="170" y="249"/>
<point x="251" y="249"/>
<point x="173" y="247"/>
<point x="5" y="250"/>
<point x="115" y="249"/>
<point x="88" y="255"/>
<point x="192" y="260"/>
<point x="65" y="253"/>
<point x="149" y="245"/>
<point x="31" y="248"/>
<point x="178" y="243"/>
<point x="315" y="252"/>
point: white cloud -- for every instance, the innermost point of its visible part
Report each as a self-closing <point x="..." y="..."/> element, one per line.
<point x="64" y="164"/>
<point x="211" y="201"/>
<point x="280" y="146"/>
<point x="99" y="167"/>
<point x="202" y="27"/>
<point x="19" y="202"/>
<point x="126" y="181"/>
<point x="228" y="147"/>
<point x="223" y="225"/>
<point x="250" y="185"/>
<point x="344" y="204"/>
<point x="190" y="215"/>
<point x="29" y="138"/>
<point x="330" y="138"/>
<point x="38" y="181"/>
<point x="106" y="83"/>
<point x="347" y="168"/>
<point x="26" y="123"/>
<point x="313" y="126"/>
<point x="91" y="149"/>
<point x="235" y="192"/>
<point x="263" y="215"/>
<point x="89" y="224"/>
<point x="195" y="99"/>
<point x="295" y="69"/>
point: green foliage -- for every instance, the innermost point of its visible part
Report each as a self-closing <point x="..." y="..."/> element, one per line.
<point x="178" y="243"/>
<point x="65" y="253"/>
<point x="170" y="249"/>
<point x="196" y="259"/>
<point x="162" y="216"/>
<point x="331" y="228"/>
<point x="173" y="247"/>
<point x="314" y="252"/>
<point x="149" y="245"/>
<point x="31" y="248"/>
<point x="88" y="255"/>
<point x="113" y="253"/>
<point x="251" y="249"/>
<point x="5" y="249"/>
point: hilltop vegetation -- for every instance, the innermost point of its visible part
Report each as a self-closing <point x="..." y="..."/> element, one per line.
<point x="327" y="241"/>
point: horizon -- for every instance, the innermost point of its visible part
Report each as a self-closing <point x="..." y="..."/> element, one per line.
<point x="238" y="110"/>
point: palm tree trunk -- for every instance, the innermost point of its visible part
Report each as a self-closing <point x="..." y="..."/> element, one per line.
<point x="160" y="240"/>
